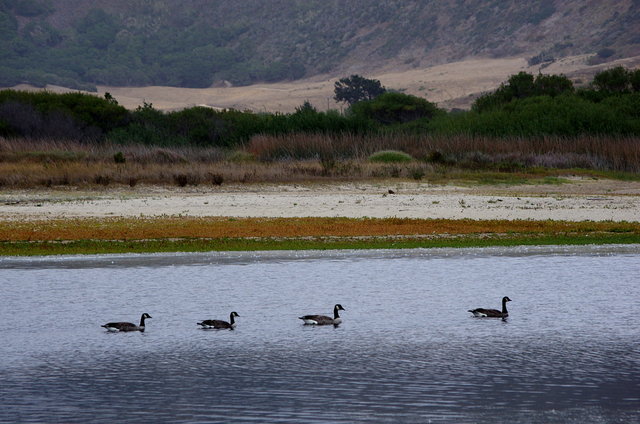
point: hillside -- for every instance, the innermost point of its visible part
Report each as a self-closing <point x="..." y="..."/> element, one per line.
<point x="203" y="43"/>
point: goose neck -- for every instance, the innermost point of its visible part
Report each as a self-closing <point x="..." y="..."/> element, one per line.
<point x="336" y="313"/>
<point x="504" y="306"/>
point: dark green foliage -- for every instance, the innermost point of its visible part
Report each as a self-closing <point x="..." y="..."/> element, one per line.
<point x="98" y="28"/>
<point x="118" y="157"/>
<point x="204" y="126"/>
<point x="31" y="8"/>
<point x="523" y="106"/>
<point x="356" y="89"/>
<point x="394" y="108"/>
<point x="70" y="115"/>
<point x="552" y="85"/>
<point x="567" y="114"/>
<point x="523" y="85"/>
<point x="634" y="79"/>
<point x="614" y="80"/>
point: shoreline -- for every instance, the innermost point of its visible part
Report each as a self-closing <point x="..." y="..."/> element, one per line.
<point x="580" y="199"/>
<point x="364" y="215"/>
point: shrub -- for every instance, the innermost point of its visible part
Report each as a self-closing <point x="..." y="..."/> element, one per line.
<point x="119" y="158"/>
<point x="216" y="179"/>
<point x="390" y="156"/>
<point x="417" y="173"/>
<point x="186" y="179"/>
<point x="614" y="80"/>
<point x="522" y="86"/>
<point x="394" y="108"/>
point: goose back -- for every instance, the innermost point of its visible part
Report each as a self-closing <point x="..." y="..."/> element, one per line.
<point x="492" y="313"/>
<point x="220" y="324"/>
<point x="323" y="319"/>
<point x="127" y="326"/>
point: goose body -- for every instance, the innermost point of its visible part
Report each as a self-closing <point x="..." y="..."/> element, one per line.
<point x="492" y="313"/>
<point x="323" y="319"/>
<point x="219" y="324"/>
<point x="127" y="326"/>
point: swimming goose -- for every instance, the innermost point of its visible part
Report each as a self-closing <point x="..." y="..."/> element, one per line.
<point x="492" y="313"/>
<point x="219" y="324"/>
<point x="127" y="326"/>
<point x="322" y="319"/>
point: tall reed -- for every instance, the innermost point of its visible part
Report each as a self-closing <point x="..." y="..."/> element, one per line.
<point x="301" y="157"/>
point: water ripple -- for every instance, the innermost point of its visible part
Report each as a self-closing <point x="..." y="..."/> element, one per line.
<point x="407" y="351"/>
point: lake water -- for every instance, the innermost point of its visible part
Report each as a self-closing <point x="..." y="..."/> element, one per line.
<point x="407" y="352"/>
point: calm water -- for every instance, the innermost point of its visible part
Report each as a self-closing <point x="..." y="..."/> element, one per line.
<point x="407" y="351"/>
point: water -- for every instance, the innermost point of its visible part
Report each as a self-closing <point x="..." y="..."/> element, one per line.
<point x="407" y="351"/>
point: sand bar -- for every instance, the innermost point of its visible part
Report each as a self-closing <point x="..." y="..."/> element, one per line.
<point x="579" y="200"/>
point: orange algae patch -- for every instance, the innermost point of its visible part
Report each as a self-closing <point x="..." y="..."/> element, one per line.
<point x="213" y="228"/>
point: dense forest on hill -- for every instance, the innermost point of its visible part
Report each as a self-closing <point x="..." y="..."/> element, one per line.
<point x="199" y="43"/>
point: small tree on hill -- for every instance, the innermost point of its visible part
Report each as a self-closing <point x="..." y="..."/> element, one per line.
<point x="356" y="88"/>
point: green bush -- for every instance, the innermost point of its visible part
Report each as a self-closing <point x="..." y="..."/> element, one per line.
<point x="544" y="115"/>
<point x="614" y="80"/>
<point x="390" y="156"/>
<point x="394" y="108"/>
<point x="91" y="111"/>
<point x="521" y="86"/>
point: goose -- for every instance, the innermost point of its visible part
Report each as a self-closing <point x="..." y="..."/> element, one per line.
<point x="219" y="324"/>
<point x="322" y="319"/>
<point x="127" y="326"/>
<point x="492" y="313"/>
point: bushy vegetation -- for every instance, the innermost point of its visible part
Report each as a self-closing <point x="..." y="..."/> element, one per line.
<point x="390" y="156"/>
<point x="527" y="123"/>
<point x="391" y="109"/>
<point x="524" y="106"/>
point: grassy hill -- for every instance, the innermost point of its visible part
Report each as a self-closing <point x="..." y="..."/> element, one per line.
<point x="200" y="43"/>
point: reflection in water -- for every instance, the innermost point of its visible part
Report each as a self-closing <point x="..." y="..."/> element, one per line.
<point x="407" y="351"/>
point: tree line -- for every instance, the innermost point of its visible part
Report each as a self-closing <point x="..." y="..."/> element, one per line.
<point x="524" y="105"/>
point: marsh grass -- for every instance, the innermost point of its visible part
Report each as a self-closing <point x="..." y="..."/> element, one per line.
<point x="308" y="157"/>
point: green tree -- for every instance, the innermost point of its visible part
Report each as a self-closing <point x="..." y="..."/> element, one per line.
<point x="614" y="80"/>
<point x="356" y="88"/>
<point x="521" y="86"/>
<point x="99" y="28"/>
<point x="394" y="108"/>
<point x="552" y="85"/>
<point x="634" y="78"/>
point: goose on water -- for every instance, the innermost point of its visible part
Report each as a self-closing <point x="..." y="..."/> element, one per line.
<point x="492" y="313"/>
<point x="219" y="324"/>
<point x="127" y="326"/>
<point x="323" y="319"/>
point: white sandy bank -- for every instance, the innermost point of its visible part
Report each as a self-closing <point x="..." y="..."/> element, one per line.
<point x="577" y="201"/>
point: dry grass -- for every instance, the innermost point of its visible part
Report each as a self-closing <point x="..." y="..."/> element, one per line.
<point x="222" y="228"/>
<point x="305" y="157"/>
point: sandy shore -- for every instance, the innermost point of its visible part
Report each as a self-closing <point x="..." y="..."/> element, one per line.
<point x="579" y="200"/>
